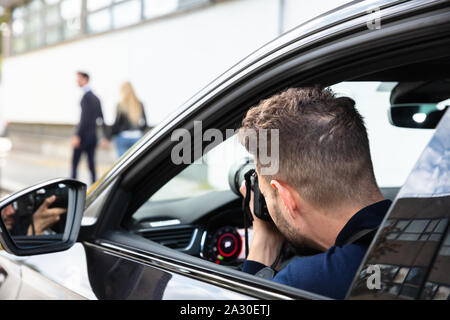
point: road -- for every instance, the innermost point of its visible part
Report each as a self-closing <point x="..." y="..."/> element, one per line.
<point x="21" y="170"/>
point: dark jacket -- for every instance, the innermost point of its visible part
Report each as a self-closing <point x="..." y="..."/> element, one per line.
<point x="123" y="123"/>
<point x="331" y="273"/>
<point x="91" y="112"/>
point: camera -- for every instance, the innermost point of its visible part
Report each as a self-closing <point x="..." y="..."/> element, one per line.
<point x="29" y="204"/>
<point x="246" y="171"/>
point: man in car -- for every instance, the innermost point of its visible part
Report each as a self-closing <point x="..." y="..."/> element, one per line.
<point x="324" y="195"/>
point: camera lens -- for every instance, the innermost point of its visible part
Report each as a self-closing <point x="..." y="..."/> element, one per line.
<point x="237" y="172"/>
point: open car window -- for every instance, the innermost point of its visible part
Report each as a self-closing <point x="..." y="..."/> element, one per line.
<point x="194" y="208"/>
<point x="394" y="150"/>
<point x="210" y="173"/>
<point x="195" y="211"/>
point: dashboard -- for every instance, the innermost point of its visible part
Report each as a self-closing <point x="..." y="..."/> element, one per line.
<point x="210" y="226"/>
<point x="225" y="245"/>
<point x="212" y="230"/>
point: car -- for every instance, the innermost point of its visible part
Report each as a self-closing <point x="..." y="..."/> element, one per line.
<point x="157" y="228"/>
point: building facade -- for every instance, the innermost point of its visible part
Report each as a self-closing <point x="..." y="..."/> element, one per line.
<point x="168" y="49"/>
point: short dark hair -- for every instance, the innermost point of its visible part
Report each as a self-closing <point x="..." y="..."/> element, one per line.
<point x="84" y="75"/>
<point x="323" y="145"/>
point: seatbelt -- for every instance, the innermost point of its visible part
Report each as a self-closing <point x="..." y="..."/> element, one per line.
<point x="359" y="235"/>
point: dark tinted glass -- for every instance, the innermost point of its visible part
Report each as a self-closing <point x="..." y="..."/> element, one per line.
<point x="413" y="253"/>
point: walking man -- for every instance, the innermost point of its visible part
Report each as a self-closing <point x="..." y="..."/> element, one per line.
<point x="85" y="138"/>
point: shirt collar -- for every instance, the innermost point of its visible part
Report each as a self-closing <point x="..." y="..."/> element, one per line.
<point x="369" y="217"/>
<point x="86" y="88"/>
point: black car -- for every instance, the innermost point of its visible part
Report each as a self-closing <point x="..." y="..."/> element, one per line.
<point x="152" y="228"/>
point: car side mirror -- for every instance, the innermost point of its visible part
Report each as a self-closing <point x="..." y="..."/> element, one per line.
<point x="419" y="116"/>
<point x="42" y="219"/>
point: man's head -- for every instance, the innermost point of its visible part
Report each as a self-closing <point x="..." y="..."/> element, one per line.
<point x="324" y="160"/>
<point x="82" y="78"/>
<point x="8" y="217"/>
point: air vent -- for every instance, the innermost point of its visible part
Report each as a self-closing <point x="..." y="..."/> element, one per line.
<point x="174" y="237"/>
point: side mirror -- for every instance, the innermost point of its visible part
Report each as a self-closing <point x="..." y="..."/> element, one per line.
<point x="42" y="219"/>
<point x="420" y="115"/>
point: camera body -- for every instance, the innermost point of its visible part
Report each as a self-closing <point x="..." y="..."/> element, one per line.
<point x="246" y="171"/>
<point x="29" y="205"/>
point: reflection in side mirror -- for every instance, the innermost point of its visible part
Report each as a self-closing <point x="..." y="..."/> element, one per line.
<point x="42" y="219"/>
<point x="420" y="116"/>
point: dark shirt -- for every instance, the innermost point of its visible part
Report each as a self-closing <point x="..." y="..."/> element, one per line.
<point x="123" y="123"/>
<point x="91" y="112"/>
<point x="331" y="273"/>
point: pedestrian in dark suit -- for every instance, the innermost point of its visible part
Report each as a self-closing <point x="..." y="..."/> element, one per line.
<point x="85" y="139"/>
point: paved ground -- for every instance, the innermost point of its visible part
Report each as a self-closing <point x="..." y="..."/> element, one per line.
<point x="21" y="170"/>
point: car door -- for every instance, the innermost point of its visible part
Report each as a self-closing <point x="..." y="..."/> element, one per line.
<point x="10" y="278"/>
<point x="353" y="54"/>
<point x="121" y="264"/>
<point x="60" y="276"/>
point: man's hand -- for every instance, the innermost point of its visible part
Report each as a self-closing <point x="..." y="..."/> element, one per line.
<point x="105" y="144"/>
<point x="44" y="217"/>
<point x="267" y="240"/>
<point x="76" y="142"/>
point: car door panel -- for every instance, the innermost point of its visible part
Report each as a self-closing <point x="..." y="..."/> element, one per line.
<point x="10" y="277"/>
<point x="117" y="276"/>
<point x="61" y="275"/>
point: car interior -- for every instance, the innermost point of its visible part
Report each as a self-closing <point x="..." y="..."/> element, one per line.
<point x="196" y="214"/>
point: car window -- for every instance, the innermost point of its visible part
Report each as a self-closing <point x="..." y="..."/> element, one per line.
<point x="181" y="214"/>
<point x="405" y="253"/>
<point x="437" y="285"/>
<point x="210" y="173"/>
<point x="394" y="150"/>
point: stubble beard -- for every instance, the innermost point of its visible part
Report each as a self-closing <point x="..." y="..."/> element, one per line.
<point x="301" y="245"/>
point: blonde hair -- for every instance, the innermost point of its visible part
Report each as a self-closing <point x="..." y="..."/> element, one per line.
<point x="129" y="103"/>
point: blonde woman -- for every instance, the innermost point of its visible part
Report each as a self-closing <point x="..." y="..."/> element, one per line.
<point x="130" y="123"/>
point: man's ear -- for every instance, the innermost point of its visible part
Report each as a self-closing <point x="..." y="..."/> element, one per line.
<point x="288" y="196"/>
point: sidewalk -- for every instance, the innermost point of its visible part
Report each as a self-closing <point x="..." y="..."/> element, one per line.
<point x="41" y="152"/>
<point x="24" y="169"/>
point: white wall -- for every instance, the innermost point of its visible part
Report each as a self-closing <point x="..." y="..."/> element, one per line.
<point x="299" y="11"/>
<point x="168" y="61"/>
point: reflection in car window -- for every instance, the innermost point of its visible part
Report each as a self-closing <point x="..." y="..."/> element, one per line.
<point x="406" y="249"/>
<point x="437" y="286"/>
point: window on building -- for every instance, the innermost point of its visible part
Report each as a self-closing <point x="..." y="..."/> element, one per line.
<point x="71" y="16"/>
<point x="94" y="5"/>
<point x="127" y="13"/>
<point x="155" y="8"/>
<point x="99" y="21"/>
<point x="45" y="22"/>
